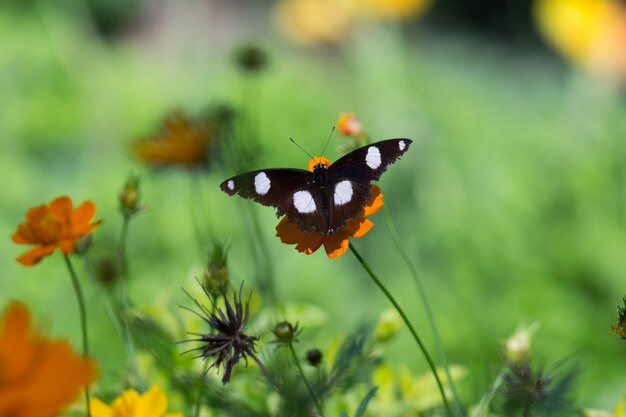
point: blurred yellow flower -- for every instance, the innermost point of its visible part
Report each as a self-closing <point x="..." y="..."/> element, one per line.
<point x="396" y="9"/>
<point x="590" y="33"/>
<point x="152" y="403"/>
<point x="314" y="21"/>
<point x="38" y="376"/>
<point x="620" y="411"/>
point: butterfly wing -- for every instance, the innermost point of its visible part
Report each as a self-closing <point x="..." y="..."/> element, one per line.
<point x="291" y="191"/>
<point x="369" y="162"/>
<point x="349" y="177"/>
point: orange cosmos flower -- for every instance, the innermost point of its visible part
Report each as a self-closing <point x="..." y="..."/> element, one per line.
<point x="337" y="243"/>
<point x="350" y="125"/>
<point x="152" y="403"/>
<point x="590" y="33"/>
<point x="38" y="376"/>
<point x="182" y="141"/>
<point x="54" y="225"/>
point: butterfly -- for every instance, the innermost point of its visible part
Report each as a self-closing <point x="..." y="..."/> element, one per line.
<point x="321" y="201"/>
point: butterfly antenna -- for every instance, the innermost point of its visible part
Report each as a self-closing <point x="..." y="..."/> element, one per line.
<point x="301" y="148"/>
<point x="329" y="136"/>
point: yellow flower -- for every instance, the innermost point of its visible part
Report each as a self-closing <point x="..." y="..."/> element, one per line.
<point x="38" y="376"/>
<point x="396" y="9"/>
<point x="314" y="21"/>
<point x="590" y="33"/>
<point x="152" y="403"/>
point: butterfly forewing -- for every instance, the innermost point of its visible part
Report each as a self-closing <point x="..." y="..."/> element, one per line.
<point x="369" y="162"/>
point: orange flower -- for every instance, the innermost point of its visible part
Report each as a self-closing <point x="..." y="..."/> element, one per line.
<point x="350" y="125"/>
<point x="38" y="376"/>
<point x="337" y="243"/>
<point x="54" y="225"/>
<point x="182" y="141"/>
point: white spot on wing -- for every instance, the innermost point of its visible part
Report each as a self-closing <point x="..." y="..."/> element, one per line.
<point x="402" y="145"/>
<point x="231" y="185"/>
<point x="262" y="184"/>
<point x="373" y="157"/>
<point x="343" y="193"/>
<point x="303" y="202"/>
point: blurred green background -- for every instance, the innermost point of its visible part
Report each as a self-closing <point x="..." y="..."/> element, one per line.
<point x="512" y="201"/>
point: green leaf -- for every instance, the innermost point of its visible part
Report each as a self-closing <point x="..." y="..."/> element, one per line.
<point x="363" y="406"/>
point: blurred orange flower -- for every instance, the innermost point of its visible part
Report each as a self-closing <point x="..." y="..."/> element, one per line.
<point x="152" y="403"/>
<point x="39" y="376"/>
<point x="335" y="244"/>
<point x="590" y="33"/>
<point x="54" y="225"/>
<point x="182" y="141"/>
<point x="350" y="125"/>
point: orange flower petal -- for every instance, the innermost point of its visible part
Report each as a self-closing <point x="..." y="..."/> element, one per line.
<point x="23" y="235"/>
<point x="375" y="202"/>
<point x="61" y="207"/>
<point x="336" y="245"/>
<point x="83" y="214"/>
<point x="288" y="232"/>
<point x="51" y="375"/>
<point x="36" y="254"/>
<point x="318" y="160"/>
<point x="34" y="215"/>
<point x="310" y="243"/>
<point x="358" y="227"/>
<point x="67" y="244"/>
<point x="16" y="347"/>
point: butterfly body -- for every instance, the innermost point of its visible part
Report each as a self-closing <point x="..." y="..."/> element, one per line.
<point x="321" y="201"/>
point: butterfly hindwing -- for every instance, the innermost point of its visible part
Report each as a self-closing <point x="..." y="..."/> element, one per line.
<point x="369" y="162"/>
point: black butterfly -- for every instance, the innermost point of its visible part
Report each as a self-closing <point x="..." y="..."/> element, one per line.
<point x="321" y="201"/>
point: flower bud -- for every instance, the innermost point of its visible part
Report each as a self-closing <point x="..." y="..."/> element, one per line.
<point x="314" y="357"/>
<point x="251" y="59"/>
<point x="129" y="196"/>
<point x="216" y="275"/>
<point x="83" y="244"/>
<point x="284" y="332"/>
<point x="516" y="347"/>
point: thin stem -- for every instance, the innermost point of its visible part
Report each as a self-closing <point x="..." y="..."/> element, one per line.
<point x="196" y="412"/>
<point x="83" y="320"/>
<point x="306" y="381"/>
<point x="408" y="324"/>
<point x="204" y="215"/>
<point x="266" y="372"/>
<point x="123" y="288"/>
<point x="482" y="409"/>
<point x="266" y="279"/>
<point x="194" y="214"/>
<point x="429" y="314"/>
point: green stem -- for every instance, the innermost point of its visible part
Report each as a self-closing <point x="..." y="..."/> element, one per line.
<point x="306" y="381"/>
<point x="429" y="314"/>
<point x="417" y="339"/>
<point x="196" y="412"/>
<point x="482" y="409"/>
<point x="194" y="214"/>
<point x="83" y="320"/>
<point x="266" y="279"/>
<point x="128" y="335"/>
